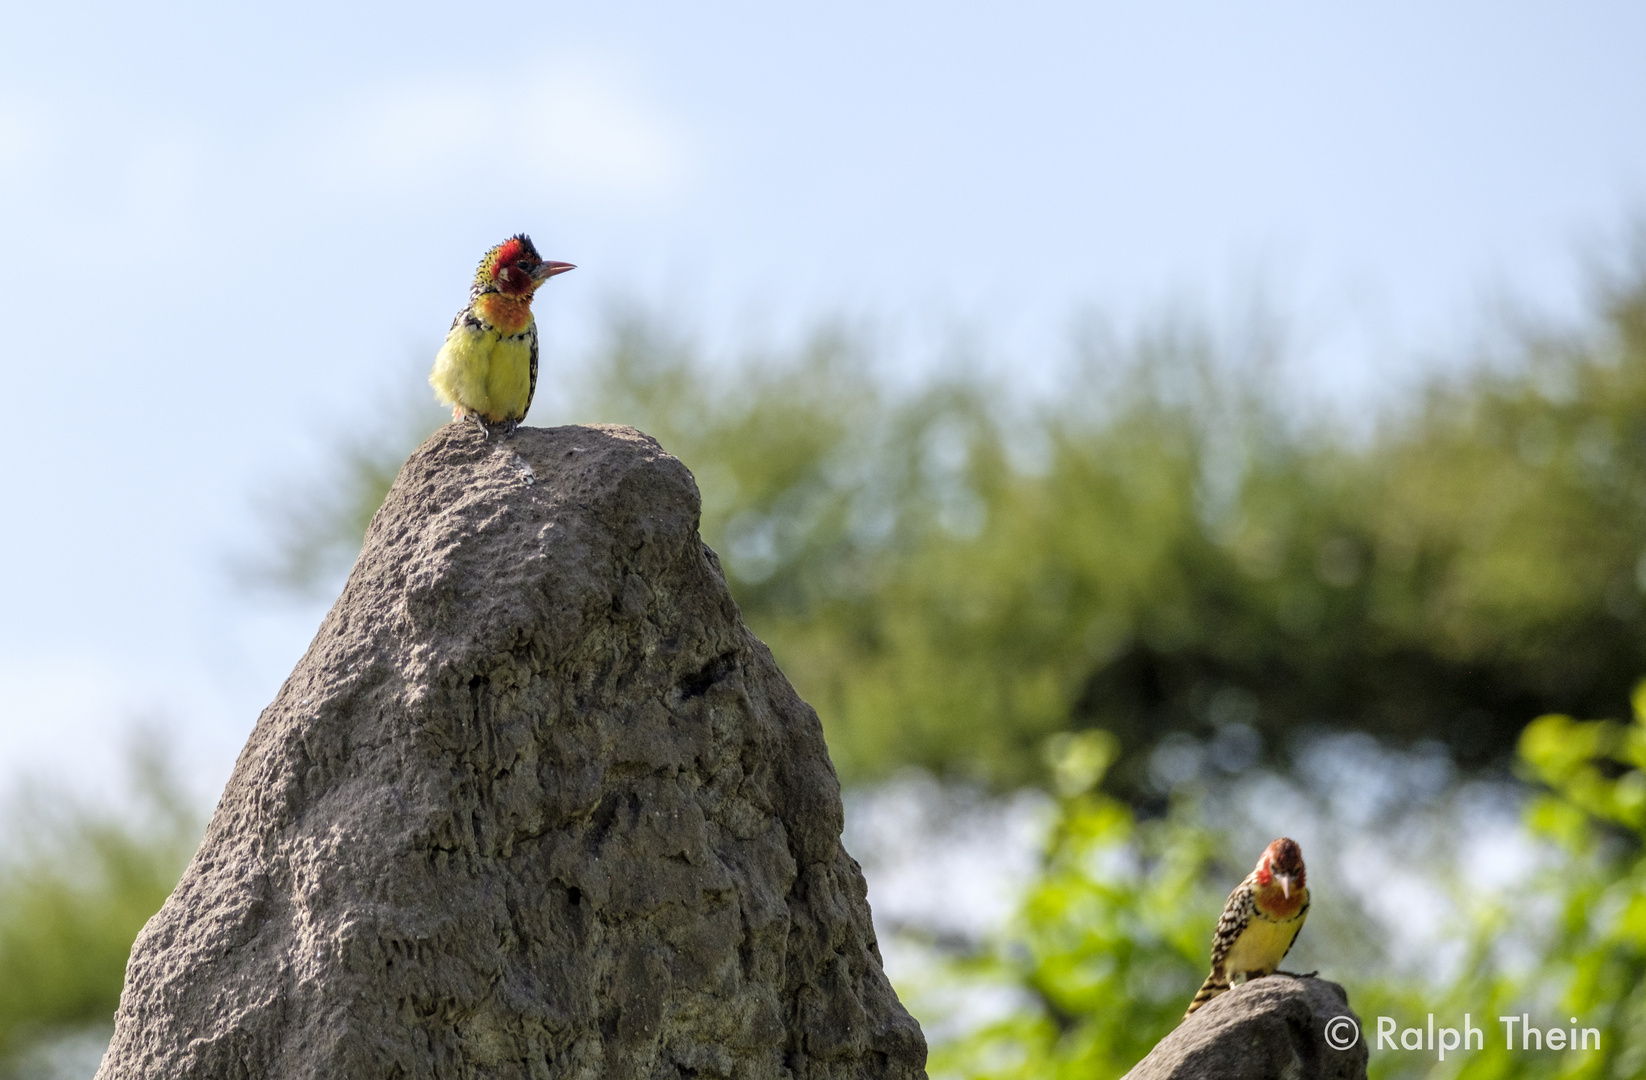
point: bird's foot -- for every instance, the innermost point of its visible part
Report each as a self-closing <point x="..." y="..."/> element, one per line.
<point x="460" y="414"/>
<point x="1297" y="974"/>
<point x="510" y="427"/>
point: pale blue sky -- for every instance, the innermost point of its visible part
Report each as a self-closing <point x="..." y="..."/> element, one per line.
<point x="222" y="232"/>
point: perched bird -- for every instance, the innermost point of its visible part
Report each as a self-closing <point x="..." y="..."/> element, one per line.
<point x="1260" y="921"/>
<point x="487" y="369"/>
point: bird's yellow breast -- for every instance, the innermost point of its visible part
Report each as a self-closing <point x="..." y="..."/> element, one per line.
<point x="1263" y="944"/>
<point x="485" y="372"/>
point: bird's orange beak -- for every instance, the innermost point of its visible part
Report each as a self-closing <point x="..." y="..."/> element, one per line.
<point x="547" y="270"/>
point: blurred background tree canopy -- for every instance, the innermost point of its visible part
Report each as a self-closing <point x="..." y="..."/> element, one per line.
<point x="952" y="572"/>
<point x="77" y="882"/>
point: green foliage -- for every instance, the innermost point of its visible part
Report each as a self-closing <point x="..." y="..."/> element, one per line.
<point x="1594" y="808"/>
<point x="76" y="885"/>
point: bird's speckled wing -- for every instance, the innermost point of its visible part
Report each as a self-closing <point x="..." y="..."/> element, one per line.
<point x="1237" y="914"/>
<point x="531" y="389"/>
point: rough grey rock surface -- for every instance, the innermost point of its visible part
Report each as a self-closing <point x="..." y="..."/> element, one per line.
<point x="1273" y="1028"/>
<point x="534" y="804"/>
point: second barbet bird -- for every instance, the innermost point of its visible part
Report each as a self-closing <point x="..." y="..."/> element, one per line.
<point x="487" y="369"/>
<point x="1260" y="921"/>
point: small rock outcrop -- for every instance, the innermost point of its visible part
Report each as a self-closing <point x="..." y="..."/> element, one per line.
<point x="534" y="804"/>
<point x="1276" y="1028"/>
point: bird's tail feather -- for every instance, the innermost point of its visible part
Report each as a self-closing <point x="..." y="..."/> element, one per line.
<point x="1215" y="984"/>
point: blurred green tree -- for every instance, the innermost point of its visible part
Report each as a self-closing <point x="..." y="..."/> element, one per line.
<point x="1109" y="944"/>
<point x="952" y="573"/>
<point x="76" y="885"/>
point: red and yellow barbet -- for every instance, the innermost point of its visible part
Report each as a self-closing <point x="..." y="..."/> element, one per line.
<point x="487" y="369"/>
<point x="1260" y="921"/>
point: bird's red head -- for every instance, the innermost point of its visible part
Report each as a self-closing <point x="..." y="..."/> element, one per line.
<point x="1280" y="874"/>
<point x="515" y="269"/>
